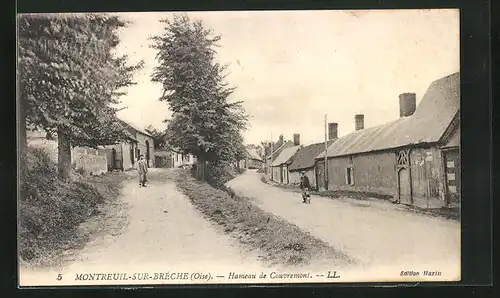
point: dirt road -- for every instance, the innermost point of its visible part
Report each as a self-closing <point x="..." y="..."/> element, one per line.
<point x="378" y="234"/>
<point x="165" y="233"/>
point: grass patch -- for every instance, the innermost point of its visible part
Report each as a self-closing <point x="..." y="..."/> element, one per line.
<point x="51" y="210"/>
<point x="279" y="241"/>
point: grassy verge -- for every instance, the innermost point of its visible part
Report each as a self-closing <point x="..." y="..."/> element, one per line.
<point x="52" y="210"/>
<point x="279" y="241"/>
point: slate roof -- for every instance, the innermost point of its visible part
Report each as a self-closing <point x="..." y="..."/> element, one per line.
<point x="285" y="155"/>
<point x="305" y="158"/>
<point x="432" y="117"/>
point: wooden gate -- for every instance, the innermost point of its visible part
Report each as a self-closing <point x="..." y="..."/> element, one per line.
<point x="452" y="166"/>
<point x="404" y="177"/>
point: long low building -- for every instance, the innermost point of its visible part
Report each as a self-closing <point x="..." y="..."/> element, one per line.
<point x="415" y="158"/>
<point x="304" y="161"/>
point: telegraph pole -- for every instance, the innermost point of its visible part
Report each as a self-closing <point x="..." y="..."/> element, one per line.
<point x="326" y="153"/>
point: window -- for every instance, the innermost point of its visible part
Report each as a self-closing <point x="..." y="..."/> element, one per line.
<point x="350" y="160"/>
<point x="349" y="176"/>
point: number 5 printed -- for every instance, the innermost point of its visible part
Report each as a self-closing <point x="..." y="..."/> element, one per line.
<point x="59" y="276"/>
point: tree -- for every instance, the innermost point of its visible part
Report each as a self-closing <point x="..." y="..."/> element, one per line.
<point x="160" y="141"/>
<point x="69" y="79"/>
<point x="204" y="122"/>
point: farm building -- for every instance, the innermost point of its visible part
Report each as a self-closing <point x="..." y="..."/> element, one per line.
<point x="252" y="160"/>
<point x="414" y="158"/>
<point x="304" y="161"/>
<point x="122" y="156"/>
<point x="272" y="152"/>
<point x="279" y="167"/>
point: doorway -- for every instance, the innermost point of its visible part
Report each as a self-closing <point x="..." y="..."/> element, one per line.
<point x="404" y="177"/>
<point x="113" y="159"/>
<point x="404" y="189"/>
<point x="147" y="152"/>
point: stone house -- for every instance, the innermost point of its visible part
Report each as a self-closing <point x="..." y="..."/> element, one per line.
<point x="415" y="159"/>
<point x="123" y="156"/>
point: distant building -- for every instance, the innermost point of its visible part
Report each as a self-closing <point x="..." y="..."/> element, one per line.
<point x="272" y="153"/>
<point x="181" y="160"/>
<point x="279" y="166"/>
<point x="252" y="160"/>
<point x="415" y="158"/>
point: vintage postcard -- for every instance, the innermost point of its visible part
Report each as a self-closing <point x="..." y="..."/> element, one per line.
<point x="239" y="147"/>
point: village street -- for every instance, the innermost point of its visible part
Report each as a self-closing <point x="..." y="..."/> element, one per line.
<point x="165" y="233"/>
<point x="380" y="235"/>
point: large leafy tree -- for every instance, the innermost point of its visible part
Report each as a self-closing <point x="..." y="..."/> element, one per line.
<point x="204" y="122"/>
<point x="70" y="79"/>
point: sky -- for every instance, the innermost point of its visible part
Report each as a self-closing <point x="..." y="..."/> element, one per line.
<point x="291" y="68"/>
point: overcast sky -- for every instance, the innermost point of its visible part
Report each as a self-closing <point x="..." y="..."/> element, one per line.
<point x="290" y="68"/>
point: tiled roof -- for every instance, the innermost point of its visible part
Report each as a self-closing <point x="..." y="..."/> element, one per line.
<point x="432" y="117"/>
<point x="135" y="127"/>
<point x="305" y="158"/>
<point x="285" y="155"/>
<point x="278" y="150"/>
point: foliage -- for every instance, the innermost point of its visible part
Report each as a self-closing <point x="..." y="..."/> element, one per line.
<point x="204" y="123"/>
<point x="50" y="209"/>
<point x="160" y="140"/>
<point x="220" y="173"/>
<point x="69" y="77"/>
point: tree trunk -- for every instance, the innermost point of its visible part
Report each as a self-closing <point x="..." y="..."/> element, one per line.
<point x="63" y="155"/>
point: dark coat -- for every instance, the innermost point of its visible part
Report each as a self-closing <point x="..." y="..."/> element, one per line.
<point x="304" y="182"/>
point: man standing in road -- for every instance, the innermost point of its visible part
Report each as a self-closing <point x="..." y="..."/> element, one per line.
<point x="142" y="169"/>
<point x="305" y="186"/>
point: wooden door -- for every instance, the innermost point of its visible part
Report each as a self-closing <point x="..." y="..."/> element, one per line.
<point x="404" y="186"/>
<point x="404" y="177"/>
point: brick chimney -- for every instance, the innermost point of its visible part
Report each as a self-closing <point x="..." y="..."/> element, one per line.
<point x="407" y="104"/>
<point x="296" y="139"/>
<point x="359" y="120"/>
<point x="332" y="131"/>
<point x="281" y="140"/>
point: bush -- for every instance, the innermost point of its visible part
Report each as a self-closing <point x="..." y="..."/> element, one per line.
<point x="50" y="209"/>
<point x="218" y="173"/>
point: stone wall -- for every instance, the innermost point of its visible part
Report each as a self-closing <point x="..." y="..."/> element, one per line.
<point x="89" y="161"/>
